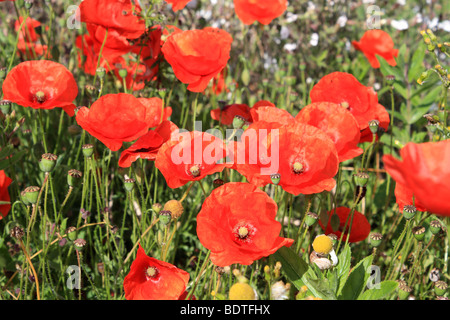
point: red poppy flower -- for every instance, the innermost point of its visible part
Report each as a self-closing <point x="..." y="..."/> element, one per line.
<point x="4" y="194"/>
<point x="152" y="279"/>
<point x="197" y="56"/>
<point x="424" y="170"/>
<point x="178" y="4"/>
<point x="344" y="89"/>
<point x="263" y="11"/>
<point x="377" y="42"/>
<point x="190" y="156"/>
<point x="41" y="84"/>
<point x="405" y="197"/>
<point x="123" y="16"/>
<point x="226" y="114"/>
<point x="304" y="156"/>
<point x="270" y="113"/>
<point x="237" y="223"/>
<point x="137" y="73"/>
<point x="218" y="84"/>
<point x="116" y="118"/>
<point x="360" y="226"/>
<point x="381" y="115"/>
<point x="28" y="43"/>
<point x="338" y="123"/>
<point x="147" y="146"/>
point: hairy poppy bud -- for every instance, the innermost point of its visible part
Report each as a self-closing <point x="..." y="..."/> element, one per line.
<point x="175" y="207"/>
<point x="419" y="232"/>
<point x="74" y="178"/>
<point x="47" y="162"/>
<point x="31" y="194"/>
<point x="88" y="150"/>
<point x="375" y="239"/>
<point x="311" y="219"/>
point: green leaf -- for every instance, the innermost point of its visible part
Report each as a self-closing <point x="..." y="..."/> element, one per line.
<point x="417" y="63"/>
<point x="387" y="70"/>
<point x="356" y="280"/>
<point x="320" y="288"/>
<point x="343" y="267"/>
<point x="386" y="288"/>
<point x="7" y="162"/>
<point x="293" y="266"/>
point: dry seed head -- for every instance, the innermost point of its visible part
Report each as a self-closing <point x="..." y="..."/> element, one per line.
<point x="175" y="207"/>
<point x="17" y="233"/>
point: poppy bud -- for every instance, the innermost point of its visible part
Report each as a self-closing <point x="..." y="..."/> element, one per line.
<point x="47" y="162"/>
<point x="101" y="72"/>
<point x="241" y="291"/>
<point x="361" y="179"/>
<point x="3" y="72"/>
<point x="129" y="184"/>
<point x="409" y="211"/>
<point x="322" y="244"/>
<point x="156" y="207"/>
<point x="238" y="122"/>
<point x="375" y="239"/>
<point x="123" y="73"/>
<point x="373" y="126"/>
<point x="88" y="150"/>
<point x="71" y="233"/>
<point x="31" y="194"/>
<point x="403" y="290"/>
<point x="218" y="182"/>
<point x="164" y="217"/>
<point x="419" y="232"/>
<point x="74" y="178"/>
<point x="17" y="233"/>
<point x="311" y="219"/>
<point x="390" y="79"/>
<point x="79" y="244"/>
<point x="440" y="288"/>
<point x="5" y="106"/>
<point x="175" y="207"/>
<point x="435" y="227"/>
<point x="275" y="178"/>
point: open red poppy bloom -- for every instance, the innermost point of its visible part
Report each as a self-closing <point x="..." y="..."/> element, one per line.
<point x="381" y="115"/>
<point x="116" y="118"/>
<point x="28" y="43"/>
<point x="178" y="4"/>
<point x="152" y="279"/>
<point x="405" y="197"/>
<point x="338" y="123"/>
<point x="270" y="113"/>
<point x="377" y="42"/>
<point x="4" y="194"/>
<point x="237" y="223"/>
<point x="304" y="156"/>
<point x="190" y="156"/>
<point x="147" y="146"/>
<point x="41" y="84"/>
<point x="197" y="56"/>
<point x="123" y="16"/>
<point x="344" y="89"/>
<point x="360" y="226"/>
<point x="424" y="170"/>
<point x="263" y="11"/>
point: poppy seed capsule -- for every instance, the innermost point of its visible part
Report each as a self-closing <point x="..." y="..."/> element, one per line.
<point x="79" y="244"/>
<point x="435" y="227"/>
<point x="275" y="178"/>
<point x="409" y="211"/>
<point x="88" y="150"/>
<point x="74" y="178"/>
<point x="175" y="207"/>
<point x="5" y="106"/>
<point x="238" y="122"/>
<point x="71" y="233"/>
<point x="361" y="179"/>
<point x="419" y="232"/>
<point x="373" y="126"/>
<point x="28" y="4"/>
<point x="311" y="219"/>
<point x="403" y="290"/>
<point x="24" y="198"/>
<point x="390" y="79"/>
<point x="31" y="194"/>
<point x="440" y="288"/>
<point x="129" y="184"/>
<point x="47" y="162"/>
<point x="164" y="217"/>
<point x="123" y="73"/>
<point x="375" y="239"/>
<point x="101" y="72"/>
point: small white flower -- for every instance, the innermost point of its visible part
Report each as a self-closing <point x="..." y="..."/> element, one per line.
<point x="290" y="47"/>
<point x="284" y="32"/>
<point x="399" y="24"/>
<point x="280" y="291"/>
<point x="314" y="39"/>
<point x="342" y="21"/>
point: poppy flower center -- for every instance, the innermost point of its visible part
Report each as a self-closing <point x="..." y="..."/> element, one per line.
<point x="151" y="272"/>
<point x="195" y="170"/>
<point x="345" y="104"/>
<point x="40" y="96"/>
<point x="298" y="168"/>
<point x="244" y="232"/>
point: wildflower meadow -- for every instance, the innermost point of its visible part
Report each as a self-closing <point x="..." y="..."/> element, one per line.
<point x="224" y="150"/>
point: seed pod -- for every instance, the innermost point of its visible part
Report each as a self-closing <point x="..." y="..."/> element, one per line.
<point x="440" y="288"/>
<point x="275" y="178"/>
<point x="31" y="194"/>
<point x="129" y="184"/>
<point x="88" y="150"/>
<point x="403" y="290"/>
<point x="47" y="162"/>
<point x="79" y="244"/>
<point x="435" y="227"/>
<point x="74" y="178"/>
<point x="361" y="178"/>
<point x="175" y="207"/>
<point x="165" y="217"/>
<point x="419" y="232"/>
<point x="375" y="239"/>
<point x="409" y="211"/>
<point x="17" y="233"/>
<point x="311" y="219"/>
